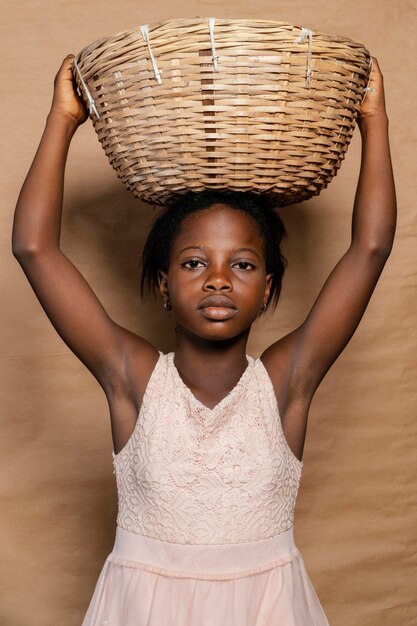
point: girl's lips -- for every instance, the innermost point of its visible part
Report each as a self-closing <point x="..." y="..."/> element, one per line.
<point x="218" y="312"/>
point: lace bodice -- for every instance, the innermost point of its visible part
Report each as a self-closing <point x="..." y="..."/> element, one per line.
<point x="194" y="475"/>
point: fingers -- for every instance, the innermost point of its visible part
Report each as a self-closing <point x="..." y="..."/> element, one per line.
<point x="65" y="66"/>
<point x="373" y="101"/>
<point x="375" y="82"/>
<point x="375" y="63"/>
<point x="67" y="62"/>
<point x="376" y="70"/>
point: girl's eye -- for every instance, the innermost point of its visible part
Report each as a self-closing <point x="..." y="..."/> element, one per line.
<point x="245" y="265"/>
<point x="192" y="264"/>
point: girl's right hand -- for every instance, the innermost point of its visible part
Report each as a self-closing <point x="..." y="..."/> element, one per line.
<point x="373" y="103"/>
<point x="66" y="101"/>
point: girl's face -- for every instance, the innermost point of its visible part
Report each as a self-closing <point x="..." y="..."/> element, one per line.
<point x="216" y="282"/>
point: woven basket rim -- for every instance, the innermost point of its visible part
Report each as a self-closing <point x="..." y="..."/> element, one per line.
<point x="173" y="22"/>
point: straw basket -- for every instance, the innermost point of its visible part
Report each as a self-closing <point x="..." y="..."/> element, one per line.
<point x="190" y="104"/>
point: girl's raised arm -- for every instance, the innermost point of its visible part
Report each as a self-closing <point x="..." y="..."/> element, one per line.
<point x="67" y="299"/>
<point x="306" y="354"/>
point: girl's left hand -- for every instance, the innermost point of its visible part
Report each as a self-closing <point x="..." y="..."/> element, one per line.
<point x="66" y="100"/>
<point x="374" y="101"/>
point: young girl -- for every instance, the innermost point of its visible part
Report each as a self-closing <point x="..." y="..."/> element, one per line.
<point x="207" y="440"/>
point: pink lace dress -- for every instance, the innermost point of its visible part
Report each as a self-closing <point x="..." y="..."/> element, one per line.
<point x="205" y="521"/>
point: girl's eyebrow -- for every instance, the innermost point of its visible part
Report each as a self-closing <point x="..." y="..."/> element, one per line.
<point x="255" y="252"/>
<point x="192" y="248"/>
<point x="234" y="250"/>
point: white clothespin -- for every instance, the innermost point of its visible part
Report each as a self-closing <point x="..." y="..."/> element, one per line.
<point x="306" y="32"/>
<point x="91" y="104"/>
<point x="215" y="58"/>
<point x="156" y="70"/>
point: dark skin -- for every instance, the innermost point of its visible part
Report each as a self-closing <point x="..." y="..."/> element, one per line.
<point x="212" y="340"/>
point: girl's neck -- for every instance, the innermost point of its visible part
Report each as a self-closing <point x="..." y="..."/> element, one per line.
<point x="214" y="365"/>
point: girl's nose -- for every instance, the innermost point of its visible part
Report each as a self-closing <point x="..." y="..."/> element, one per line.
<point x="218" y="280"/>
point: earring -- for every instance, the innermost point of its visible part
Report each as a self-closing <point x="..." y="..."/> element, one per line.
<point x="263" y="307"/>
<point x="167" y="305"/>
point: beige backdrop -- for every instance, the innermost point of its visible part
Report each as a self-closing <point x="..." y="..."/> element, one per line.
<point x="356" y="513"/>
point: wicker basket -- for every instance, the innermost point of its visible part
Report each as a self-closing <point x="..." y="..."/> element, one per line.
<point x="245" y="105"/>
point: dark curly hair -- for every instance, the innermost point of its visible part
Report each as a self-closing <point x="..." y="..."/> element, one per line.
<point x="158" y="245"/>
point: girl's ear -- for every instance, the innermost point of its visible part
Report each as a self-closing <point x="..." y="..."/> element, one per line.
<point x="269" y="278"/>
<point x="163" y="283"/>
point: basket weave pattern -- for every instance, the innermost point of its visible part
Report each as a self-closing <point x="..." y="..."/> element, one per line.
<point x="273" y="112"/>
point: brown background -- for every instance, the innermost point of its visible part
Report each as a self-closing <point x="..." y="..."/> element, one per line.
<point x="356" y="513"/>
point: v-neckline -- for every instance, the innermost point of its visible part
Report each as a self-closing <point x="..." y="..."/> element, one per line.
<point x="224" y="401"/>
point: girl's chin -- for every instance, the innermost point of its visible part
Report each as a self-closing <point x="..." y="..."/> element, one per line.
<point x="214" y="330"/>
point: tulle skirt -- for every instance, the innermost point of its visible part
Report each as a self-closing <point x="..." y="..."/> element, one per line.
<point x="148" y="582"/>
